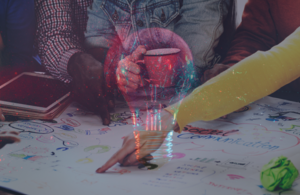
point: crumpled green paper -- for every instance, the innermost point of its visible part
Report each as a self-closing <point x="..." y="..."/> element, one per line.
<point x="279" y="173"/>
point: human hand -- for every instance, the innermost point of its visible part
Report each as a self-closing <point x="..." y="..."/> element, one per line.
<point x="210" y="73"/>
<point x="88" y="85"/>
<point x="8" y="137"/>
<point x="139" y="144"/>
<point x="2" y="118"/>
<point x="128" y="72"/>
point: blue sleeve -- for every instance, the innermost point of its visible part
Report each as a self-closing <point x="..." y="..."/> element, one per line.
<point x="18" y="31"/>
<point x="201" y="25"/>
<point x="100" y="31"/>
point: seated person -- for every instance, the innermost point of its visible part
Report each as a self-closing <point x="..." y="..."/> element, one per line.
<point x="17" y="29"/>
<point x="60" y="36"/>
<point x="265" y="23"/>
<point x="249" y="80"/>
<point x="111" y="26"/>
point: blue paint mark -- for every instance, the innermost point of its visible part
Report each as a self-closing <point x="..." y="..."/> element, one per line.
<point x="260" y="186"/>
<point x="284" y="103"/>
<point x="236" y="141"/>
<point x="62" y="148"/>
<point x="66" y="128"/>
<point x="25" y="136"/>
<point x="7" y="179"/>
<point x="27" y="157"/>
<point x="272" y="119"/>
<point x="70" y="115"/>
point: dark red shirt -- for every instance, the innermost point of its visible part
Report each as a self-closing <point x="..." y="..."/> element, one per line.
<point x="265" y="23"/>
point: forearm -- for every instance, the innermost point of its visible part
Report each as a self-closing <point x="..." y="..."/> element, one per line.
<point x="251" y="79"/>
<point x="56" y="38"/>
<point x="98" y="53"/>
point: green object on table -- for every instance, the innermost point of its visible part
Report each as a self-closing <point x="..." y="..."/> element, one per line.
<point x="279" y="173"/>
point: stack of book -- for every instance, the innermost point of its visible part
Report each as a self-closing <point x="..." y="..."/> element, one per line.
<point x="34" y="96"/>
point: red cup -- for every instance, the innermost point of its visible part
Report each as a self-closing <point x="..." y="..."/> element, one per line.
<point x="162" y="65"/>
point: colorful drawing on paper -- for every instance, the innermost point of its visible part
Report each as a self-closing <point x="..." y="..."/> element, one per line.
<point x="233" y="177"/>
<point x="31" y="127"/>
<point x="285" y="116"/>
<point x="66" y="127"/>
<point x="7" y="179"/>
<point x="125" y="118"/>
<point x="35" y="150"/>
<point x="177" y="155"/>
<point x="25" y="136"/>
<point x="93" y="132"/>
<point x="84" y="160"/>
<point x="202" y="131"/>
<point x="295" y="129"/>
<point x="46" y="139"/>
<point x="66" y="135"/>
<point x="216" y="157"/>
<point x="67" y="143"/>
<point x="97" y="149"/>
<point x="31" y="153"/>
<point x="205" y="160"/>
<point x="236" y="164"/>
<point x="70" y="122"/>
<point x="254" y="140"/>
<point x="121" y="171"/>
<point x="27" y="157"/>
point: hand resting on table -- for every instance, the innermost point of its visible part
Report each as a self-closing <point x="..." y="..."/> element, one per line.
<point x="140" y="143"/>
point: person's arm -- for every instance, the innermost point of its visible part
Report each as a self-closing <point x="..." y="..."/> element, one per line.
<point x="56" y="37"/>
<point x="8" y="137"/>
<point x="249" y="80"/>
<point x="60" y="48"/>
<point x="257" y="32"/>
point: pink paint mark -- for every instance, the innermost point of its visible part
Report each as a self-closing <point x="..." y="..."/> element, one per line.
<point x="233" y="177"/>
<point x="122" y="171"/>
<point x="238" y="190"/>
<point x="106" y="129"/>
<point x="34" y="158"/>
<point x="46" y="139"/>
<point x="71" y="122"/>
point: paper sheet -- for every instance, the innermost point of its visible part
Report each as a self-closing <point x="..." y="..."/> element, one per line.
<point x="218" y="157"/>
